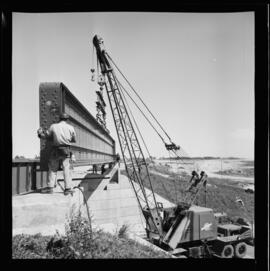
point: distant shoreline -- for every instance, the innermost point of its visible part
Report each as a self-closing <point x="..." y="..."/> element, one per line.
<point x="205" y="158"/>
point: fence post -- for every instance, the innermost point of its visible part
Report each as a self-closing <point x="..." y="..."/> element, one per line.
<point x="34" y="176"/>
<point x="18" y="180"/>
<point x="28" y="178"/>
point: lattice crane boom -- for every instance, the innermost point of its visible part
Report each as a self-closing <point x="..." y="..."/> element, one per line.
<point x="134" y="160"/>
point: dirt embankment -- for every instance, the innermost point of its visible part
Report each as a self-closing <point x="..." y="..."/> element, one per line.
<point x="221" y="195"/>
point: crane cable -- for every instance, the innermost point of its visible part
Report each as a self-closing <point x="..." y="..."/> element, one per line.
<point x="176" y="195"/>
<point x="174" y="151"/>
<point x="148" y="120"/>
<point x="145" y="107"/>
<point x="141" y="112"/>
<point x="137" y="129"/>
<point x="120" y="89"/>
<point x="97" y="70"/>
<point x="139" y="97"/>
<point x="150" y="184"/>
<point x="151" y="188"/>
<point x="150" y="157"/>
<point x="93" y="56"/>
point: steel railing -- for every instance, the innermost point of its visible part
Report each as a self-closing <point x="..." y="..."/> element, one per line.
<point x="27" y="176"/>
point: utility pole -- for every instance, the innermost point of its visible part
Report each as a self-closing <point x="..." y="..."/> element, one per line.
<point x="205" y="195"/>
<point x="221" y="165"/>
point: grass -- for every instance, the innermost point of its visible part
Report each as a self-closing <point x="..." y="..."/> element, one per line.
<point x="80" y="242"/>
<point x="223" y="198"/>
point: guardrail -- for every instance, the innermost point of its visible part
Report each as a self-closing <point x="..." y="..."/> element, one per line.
<point x="27" y="176"/>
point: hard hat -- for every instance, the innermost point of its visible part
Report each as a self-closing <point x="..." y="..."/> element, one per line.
<point x="64" y="116"/>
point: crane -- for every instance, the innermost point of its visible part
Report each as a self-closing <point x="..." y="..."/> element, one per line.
<point x="133" y="157"/>
<point x="193" y="229"/>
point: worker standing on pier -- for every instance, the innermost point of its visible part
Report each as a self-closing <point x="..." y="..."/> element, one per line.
<point x="62" y="135"/>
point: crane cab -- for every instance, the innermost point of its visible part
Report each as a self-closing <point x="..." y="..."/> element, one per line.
<point x="197" y="224"/>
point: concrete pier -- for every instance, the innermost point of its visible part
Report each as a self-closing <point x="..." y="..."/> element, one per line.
<point x="111" y="201"/>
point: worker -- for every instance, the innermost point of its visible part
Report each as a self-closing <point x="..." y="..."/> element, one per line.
<point x="94" y="169"/>
<point x="103" y="169"/>
<point x="118" y="158"/>
<point x="198" y="180"/>
<point x="62" y="136"/>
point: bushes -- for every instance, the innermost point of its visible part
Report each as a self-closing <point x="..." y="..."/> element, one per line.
<point x="80" y="242"/>
<point x="122" y="232"/>
<point x="29" y="246"/>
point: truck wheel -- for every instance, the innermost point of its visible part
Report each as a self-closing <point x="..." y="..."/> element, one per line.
<point x="240" y="250"/>
<point x="227" y="251"/>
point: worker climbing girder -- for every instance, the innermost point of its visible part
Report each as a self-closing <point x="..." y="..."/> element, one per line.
<point x="196" y="183"/>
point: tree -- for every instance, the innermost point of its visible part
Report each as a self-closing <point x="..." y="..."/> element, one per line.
<point x="19" y="157"/>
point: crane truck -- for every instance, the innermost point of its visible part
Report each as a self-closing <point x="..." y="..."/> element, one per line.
<point x="186" y="229"/>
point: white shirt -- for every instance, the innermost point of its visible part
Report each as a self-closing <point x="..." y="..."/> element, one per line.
<point x="62" y="133"/>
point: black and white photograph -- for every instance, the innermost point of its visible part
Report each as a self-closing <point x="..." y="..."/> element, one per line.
<point x="133" y="135"/>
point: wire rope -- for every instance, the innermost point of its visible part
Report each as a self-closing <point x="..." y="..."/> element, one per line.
<point x="135" y="123"/>
<point x="146" y="108"/>
<point x="142" y="113"/>
<point x="139" y="97"/>
<point x="150" y="157"/>
<point x="175" y="188"/>
<point x="93" y="56"/>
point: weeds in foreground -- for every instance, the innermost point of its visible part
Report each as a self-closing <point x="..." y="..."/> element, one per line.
<point x="123" y="231"/>
<point x="80" y="242"/>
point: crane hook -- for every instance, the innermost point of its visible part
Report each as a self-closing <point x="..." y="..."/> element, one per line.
<point x="93" y="75"/>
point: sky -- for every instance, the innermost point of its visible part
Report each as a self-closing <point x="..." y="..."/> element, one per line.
<point x="195" y="71"/>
